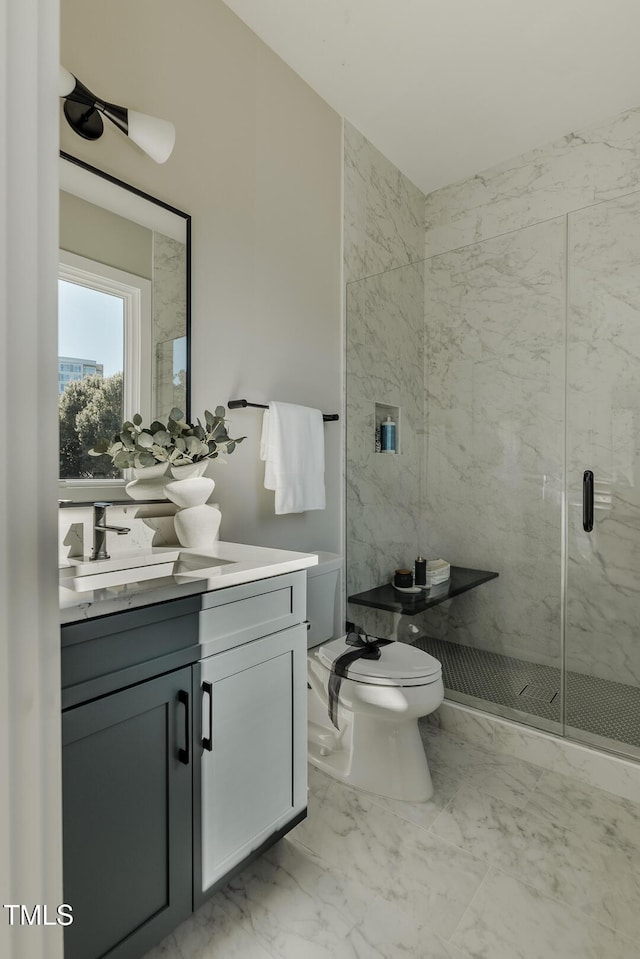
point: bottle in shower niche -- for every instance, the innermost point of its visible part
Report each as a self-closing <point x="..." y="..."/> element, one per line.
<point x="388" y="436"/>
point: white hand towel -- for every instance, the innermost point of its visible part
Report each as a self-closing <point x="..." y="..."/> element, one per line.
<point x="292" y="447"/>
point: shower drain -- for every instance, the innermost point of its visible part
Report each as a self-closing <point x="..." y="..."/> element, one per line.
<point x="539" y="693"/>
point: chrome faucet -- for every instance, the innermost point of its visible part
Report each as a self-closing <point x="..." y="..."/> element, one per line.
<point x="100" y="530"/>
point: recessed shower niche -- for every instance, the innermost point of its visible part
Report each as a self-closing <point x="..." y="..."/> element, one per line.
<point x="387" y="428"/>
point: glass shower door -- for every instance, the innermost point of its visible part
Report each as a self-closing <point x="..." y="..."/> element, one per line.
<point x="602" y="645"/>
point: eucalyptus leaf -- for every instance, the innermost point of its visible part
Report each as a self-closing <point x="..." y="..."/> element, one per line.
<point x="122" y="460"/>
<point x="177" y="443"/>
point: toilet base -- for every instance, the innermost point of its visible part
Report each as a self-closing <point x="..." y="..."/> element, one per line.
<point x="382" y="757"/>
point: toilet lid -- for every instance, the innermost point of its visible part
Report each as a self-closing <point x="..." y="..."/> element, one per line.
<point x="399" y="665"/>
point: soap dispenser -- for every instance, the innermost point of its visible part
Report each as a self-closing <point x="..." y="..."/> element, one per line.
<point x="388" y="436"/>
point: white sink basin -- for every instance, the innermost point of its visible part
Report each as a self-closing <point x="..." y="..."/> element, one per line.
<point x="82" y="575"/>
<point x="99" y="588"/>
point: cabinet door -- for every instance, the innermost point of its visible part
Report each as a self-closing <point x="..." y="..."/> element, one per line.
<point x="254" y="762"/>
<point x="127" y="791"/>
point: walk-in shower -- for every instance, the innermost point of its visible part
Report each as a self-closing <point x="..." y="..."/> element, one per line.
<point x="513" y="368"/>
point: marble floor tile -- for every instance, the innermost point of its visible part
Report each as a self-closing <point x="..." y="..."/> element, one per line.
<point x="296" y="908"/>
<point x="567" y="864"/>
<point x="510" y="920"/>
<point x="293" y="906"/>
<point x="508" y="861"/>
<point x="387" y="933"/>
<point x="396" y="860"/>
<point x="208" y="934"/>
<point x="594" y="812"/>
<point x="454" y="761"/>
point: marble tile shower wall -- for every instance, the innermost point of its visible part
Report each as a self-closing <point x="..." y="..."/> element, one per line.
<point x="495" y="402"/>
<point x="603" y="379"/>
<point x="385" y="362"/>
<point x="496" y="306"/>
<point x="383" y="211"/>
<point x="498" y="295"/>
<point x="576" y="171"/>
<point x="169" y="316"/>
<point x="383" y="230"/>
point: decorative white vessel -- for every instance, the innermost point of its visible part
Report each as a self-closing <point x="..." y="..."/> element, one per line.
<point x="196" y="524"/>
<point x="149" y="482"/>
<point x="190" y="471"/>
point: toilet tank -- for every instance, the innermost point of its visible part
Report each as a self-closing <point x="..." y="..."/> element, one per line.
<point x="323" y="583"/>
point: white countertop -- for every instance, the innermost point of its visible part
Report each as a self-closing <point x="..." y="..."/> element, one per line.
<point x="242" y="564"/>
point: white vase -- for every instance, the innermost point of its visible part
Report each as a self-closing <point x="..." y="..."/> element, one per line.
<point x="189" y="471"/>
<point x="149" y="482"/>
<point x="196" y="524"/>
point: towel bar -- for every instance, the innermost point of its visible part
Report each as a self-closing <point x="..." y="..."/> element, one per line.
<point x="240" y="404"/>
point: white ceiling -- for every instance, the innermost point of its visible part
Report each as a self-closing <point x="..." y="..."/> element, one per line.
<point x="447" y="88"/>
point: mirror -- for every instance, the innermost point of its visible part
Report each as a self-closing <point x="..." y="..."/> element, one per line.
<point x="124" y="314"/>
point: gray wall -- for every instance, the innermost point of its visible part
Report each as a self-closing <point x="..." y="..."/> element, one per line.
<point x="89" y="230"/>
<point x="258" y="165"/>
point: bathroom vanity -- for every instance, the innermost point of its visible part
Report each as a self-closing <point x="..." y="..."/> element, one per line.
<point x="184" y="741"/>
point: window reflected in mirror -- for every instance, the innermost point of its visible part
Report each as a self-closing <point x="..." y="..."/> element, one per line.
<point x="91" y="370"/>
<point x="123" y="315"/>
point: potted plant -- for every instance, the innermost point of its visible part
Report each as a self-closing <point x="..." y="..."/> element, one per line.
<point x="182" y="448"/>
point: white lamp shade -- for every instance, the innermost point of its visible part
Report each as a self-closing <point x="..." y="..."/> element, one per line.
<point x="156" y="137"/>
<point x="66" y="83"/>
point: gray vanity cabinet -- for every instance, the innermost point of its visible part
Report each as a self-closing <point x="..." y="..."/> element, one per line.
<point x="184" y="755"/>
<point x="127" y="775"/>
<point x="253" y="771"/>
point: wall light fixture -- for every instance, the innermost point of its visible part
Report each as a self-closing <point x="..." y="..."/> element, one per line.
<point x="82" y="108"/>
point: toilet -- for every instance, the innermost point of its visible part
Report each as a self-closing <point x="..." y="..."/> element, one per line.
<point x="376" y="745"/>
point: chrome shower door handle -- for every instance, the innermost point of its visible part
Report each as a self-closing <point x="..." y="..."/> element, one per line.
<point x="587" y="501"/>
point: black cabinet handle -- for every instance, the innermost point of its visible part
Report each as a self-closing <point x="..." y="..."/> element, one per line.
<point x="207" y="741"/>
<point x="184" y="754"/>
<point x="587" y="501"/>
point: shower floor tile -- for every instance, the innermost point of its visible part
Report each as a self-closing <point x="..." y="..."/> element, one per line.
<point x="598" y="706"/>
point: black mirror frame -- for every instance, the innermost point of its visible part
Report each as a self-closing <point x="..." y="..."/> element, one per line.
<point x="171" y="209"/>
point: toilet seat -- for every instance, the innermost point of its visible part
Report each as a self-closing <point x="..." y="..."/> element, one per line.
<point x="399" y="664"/>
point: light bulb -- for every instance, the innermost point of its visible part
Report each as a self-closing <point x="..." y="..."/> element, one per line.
<point x="156" y="137"/>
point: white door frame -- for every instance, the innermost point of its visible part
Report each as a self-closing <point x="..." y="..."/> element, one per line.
<point x="30" y="784"/>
